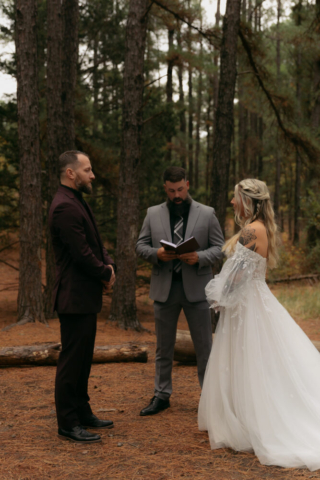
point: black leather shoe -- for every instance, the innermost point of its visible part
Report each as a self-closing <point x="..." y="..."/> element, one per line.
<point x="94" y="422"/>
<point x="79" y="434"/>
<point x="156" y="405"/>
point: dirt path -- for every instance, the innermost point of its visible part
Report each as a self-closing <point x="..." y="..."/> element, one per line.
<point x="166" y="446"/>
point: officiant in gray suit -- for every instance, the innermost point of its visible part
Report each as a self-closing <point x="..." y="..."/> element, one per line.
<point x="178" y="281"/>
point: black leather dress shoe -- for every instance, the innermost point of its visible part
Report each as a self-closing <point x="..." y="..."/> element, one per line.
<point x="94" y="422"/>
<point x="79" y="434"/>
<point x="156" y="405"/>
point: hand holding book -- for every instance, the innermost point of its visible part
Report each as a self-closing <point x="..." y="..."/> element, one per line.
<point x="185" y="251"/>
<point x="188" y="246"/>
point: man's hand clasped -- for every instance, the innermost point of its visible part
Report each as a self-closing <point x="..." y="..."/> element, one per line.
<point x="107" y="286"/>
<point x="167" y="256"/>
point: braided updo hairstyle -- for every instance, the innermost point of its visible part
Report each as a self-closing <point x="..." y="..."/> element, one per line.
<point x="255" y="197"/>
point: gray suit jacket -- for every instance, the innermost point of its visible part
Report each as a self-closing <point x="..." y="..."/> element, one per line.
<point x="204" y="226"/>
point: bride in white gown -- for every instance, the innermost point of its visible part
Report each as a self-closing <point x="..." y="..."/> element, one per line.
<point x="261" y="389"/>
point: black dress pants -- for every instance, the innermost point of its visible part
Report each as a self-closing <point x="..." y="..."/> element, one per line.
<point x="78" y="334"/>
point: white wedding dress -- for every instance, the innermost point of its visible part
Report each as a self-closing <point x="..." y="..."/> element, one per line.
<point x="261" y="389"/>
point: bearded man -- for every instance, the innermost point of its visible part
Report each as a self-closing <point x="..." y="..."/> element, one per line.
<point x="178" y="281"/>
<point x="83" y="270"/>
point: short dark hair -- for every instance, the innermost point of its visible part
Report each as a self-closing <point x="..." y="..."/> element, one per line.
<point x="174" y="174"/>
<point x="68" y="159"/>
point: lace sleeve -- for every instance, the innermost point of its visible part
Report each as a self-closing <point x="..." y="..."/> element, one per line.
<point x="233" y="283"/>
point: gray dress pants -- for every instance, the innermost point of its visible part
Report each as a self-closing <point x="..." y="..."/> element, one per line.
<point x="166" y="320"/>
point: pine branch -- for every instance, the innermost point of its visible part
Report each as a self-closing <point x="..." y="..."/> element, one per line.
<point x="295" y="138"/>
<point x="9" y="265"/>
<point x="206" y="34"/>
<point x="8" y="246"/>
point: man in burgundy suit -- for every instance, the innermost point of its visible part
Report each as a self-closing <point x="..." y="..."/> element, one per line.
<point x="83" y="270"/>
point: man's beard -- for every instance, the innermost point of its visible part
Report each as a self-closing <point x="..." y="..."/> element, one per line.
<point x="179" y="208"/>
<point x="83" y="187"/>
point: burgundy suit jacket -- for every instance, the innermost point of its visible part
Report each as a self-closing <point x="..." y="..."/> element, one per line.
<point x="81" y="259"/>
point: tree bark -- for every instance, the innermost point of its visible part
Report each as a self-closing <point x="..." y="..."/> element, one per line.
<point x="208" y="151"/>
<point x="123" y="308"/>
<point x="30" y="307"/>
<point x="276" y="203"/>
<point x="313" y="181"/>
<point x="242" y="115"/>
<point x="315" y="116"/>
<point x="182" y="114"/>
<point x="54" y="132"/>
<point x="190" y="113"/>
<point x="260" y="157"/>
<point x="297" y="190"/>
<point x="224" y="116"/>
<point x="215" y="85"/>
<point x="48" y="354"/>
<point x="70" y="15"/>
<point x="169" y="88"/>
<point x="95" y="83"/>
<point x="199" y="105"/>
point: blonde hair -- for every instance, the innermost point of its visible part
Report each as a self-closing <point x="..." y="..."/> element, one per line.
<point x="255" y="197"/>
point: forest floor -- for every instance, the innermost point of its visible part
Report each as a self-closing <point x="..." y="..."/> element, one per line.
<point x="166" y="446"/>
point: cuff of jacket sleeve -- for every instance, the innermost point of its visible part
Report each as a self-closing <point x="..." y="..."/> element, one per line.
<point x="114" y="267"/>
<point x="202" y="259"/>
<point x="107" y="274"/>
<point x="154" y="257"/>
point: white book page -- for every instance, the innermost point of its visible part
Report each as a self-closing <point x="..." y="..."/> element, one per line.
<point x="168" y="243"/>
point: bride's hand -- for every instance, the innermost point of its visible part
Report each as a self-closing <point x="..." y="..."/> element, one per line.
<point x="189" y="258"/>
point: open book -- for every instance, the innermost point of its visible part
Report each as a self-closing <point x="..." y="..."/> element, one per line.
<point x="187" y="246"/>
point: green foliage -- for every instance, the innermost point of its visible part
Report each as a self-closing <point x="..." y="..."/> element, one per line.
<point x="302" y="302"/>
<point x="99" y="102"/>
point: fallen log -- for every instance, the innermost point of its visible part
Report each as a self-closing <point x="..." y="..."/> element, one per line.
<point x="184" y="350"/>
<point x="48" y="354"/>
<point x="311" y="276"/>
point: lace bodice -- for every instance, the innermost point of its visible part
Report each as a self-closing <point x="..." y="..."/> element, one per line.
<point x="231" y="286"/>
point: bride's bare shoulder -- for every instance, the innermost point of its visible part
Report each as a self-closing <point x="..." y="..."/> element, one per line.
<point x="254" y="237"/>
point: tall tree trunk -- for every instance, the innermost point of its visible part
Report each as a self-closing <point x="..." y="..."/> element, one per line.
<point x="224" y="115"/>
<point x="313" y="180"/>
<point x="260" y="157"/>
<point x="95" y="83"/>
<point x="296" y="228"/>
<point x="315" y="117"/>
<point x="169" y="88"/>
<point x="105" y="98"/>
<point x="199" y="105"/>
<point x="123" y="308"/>
<point x="215" y="84"/>
<point x="208" y="152"/>
<point x="54" y="132"/>
<point x="278" y="158"/>
<point x="70" y="15"/>
<point x="242" y="115"/>
<point x="215" y="62"/>
<point x="182" y="114"/>
<point x="190" y="113"/>
<point x="30" y="307"/>
<point x="297" y="193"/>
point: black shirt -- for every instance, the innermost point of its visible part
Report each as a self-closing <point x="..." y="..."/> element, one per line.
<point x="77" y="194"/>
<point x="84" y="203"/>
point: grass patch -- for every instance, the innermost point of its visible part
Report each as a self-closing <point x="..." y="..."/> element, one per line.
<point x="301" y="301"/>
